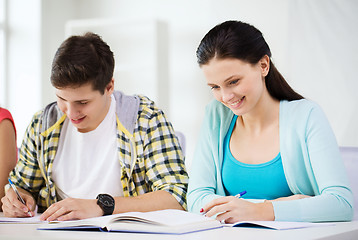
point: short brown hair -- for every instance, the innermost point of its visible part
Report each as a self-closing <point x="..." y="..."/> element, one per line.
<point x="81" y="60"/>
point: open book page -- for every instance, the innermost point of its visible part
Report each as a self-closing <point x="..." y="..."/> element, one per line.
<point x="35" y="219"/>
<point x="89" y="223"/>
<point x="278" y="225"/>
<point x="169" y="217"/>
<point x="163" y="221"/>
<point x="166" y="221"/>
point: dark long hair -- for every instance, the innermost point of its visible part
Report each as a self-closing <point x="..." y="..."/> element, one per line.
<point x="239" y="40"/>
<point x="81" y="60"/>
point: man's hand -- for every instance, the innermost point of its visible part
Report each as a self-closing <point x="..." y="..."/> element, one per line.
<point x="71" y="209"/>
<point x="13" y="207"/>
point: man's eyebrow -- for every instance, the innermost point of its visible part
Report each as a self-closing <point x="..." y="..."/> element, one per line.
<point x="82" y="100"/>
<point x="61" y="97"/>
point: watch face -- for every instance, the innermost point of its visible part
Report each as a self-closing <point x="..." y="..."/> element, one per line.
<point x="107" y="201"/>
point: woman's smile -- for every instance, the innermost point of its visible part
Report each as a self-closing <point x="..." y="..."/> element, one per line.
<point x="237" y="103"/>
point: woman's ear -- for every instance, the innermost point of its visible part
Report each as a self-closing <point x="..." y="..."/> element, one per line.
<point x="265" y="65"/>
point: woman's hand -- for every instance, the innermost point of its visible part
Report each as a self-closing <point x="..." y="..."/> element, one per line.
<point x="71" y="209"/>
<point x="231" y="209"/>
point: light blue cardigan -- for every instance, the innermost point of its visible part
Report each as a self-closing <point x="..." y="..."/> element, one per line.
<point x="310" y="158"/>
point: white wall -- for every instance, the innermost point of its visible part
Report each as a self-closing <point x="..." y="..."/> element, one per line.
<point x="289" y="26"/>
<point x="322" y="60"/>
<point x="24" y="61"/>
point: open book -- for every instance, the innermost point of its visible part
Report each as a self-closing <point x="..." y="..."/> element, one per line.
<point x="164" y="221"/>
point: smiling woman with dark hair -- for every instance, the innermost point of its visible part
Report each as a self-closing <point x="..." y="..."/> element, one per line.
<point x="262" y="137"/>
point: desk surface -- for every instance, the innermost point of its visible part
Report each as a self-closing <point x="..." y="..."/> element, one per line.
<point x="342" y="230"/>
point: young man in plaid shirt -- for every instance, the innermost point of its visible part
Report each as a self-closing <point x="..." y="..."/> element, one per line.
<point x="95" y="151"/>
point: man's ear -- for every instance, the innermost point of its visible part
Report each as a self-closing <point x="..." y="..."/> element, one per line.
<point x="265" y="65"/>
<point x="110" y="87"/>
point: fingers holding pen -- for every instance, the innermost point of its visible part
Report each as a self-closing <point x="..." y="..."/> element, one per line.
<point x="10" y="210"/>
<point x="230" y="209"/>
<point x="217" y="206"/>
<point x="27" y="203"/>
<point x="228" y="201"/>
<point x="13" y="207"/>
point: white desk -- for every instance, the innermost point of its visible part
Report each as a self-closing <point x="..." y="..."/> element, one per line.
<point x="341" y="231"/>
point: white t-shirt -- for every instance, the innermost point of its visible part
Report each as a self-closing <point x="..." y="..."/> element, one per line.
<point x="87" y="164"/>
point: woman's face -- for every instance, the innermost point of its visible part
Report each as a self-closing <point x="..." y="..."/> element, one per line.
<point x="237" y="84"/>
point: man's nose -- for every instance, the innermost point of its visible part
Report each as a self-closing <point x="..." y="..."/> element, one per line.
<point x="71" y="111"/>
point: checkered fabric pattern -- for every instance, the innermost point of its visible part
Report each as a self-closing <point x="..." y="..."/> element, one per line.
<point x="151" y="158"/>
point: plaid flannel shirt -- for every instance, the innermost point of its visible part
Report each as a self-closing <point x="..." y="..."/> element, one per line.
<point x="151" y="158"/>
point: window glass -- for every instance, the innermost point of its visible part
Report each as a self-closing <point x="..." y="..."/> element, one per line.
<point x="2" y="52"/>
<point x="2" y="11"/>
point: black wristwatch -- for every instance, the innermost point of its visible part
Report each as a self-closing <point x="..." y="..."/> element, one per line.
<point x="106" y="202"/>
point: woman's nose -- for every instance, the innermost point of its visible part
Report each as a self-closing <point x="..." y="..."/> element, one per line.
<point x="226" y="95"/>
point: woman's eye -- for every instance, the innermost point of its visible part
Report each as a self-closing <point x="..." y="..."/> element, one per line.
<point x="234" y="82"/>
<point x="83" y="103"/>
<point x="214" y="87"/>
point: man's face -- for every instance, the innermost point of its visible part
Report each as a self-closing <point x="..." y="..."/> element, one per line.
<point x="85" y="108"/>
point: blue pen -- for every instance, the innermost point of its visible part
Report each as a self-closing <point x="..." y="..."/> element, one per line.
<point x="18" y="195"/>
<point x="240" y="194"/>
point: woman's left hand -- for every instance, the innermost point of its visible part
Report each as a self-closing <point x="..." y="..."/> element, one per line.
<point x="231" y="209"/>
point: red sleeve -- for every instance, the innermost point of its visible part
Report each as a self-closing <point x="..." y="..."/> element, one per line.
<point x="5" y="114"/>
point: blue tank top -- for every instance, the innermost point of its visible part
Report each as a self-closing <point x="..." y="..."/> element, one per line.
<point x="261" y="181"/>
